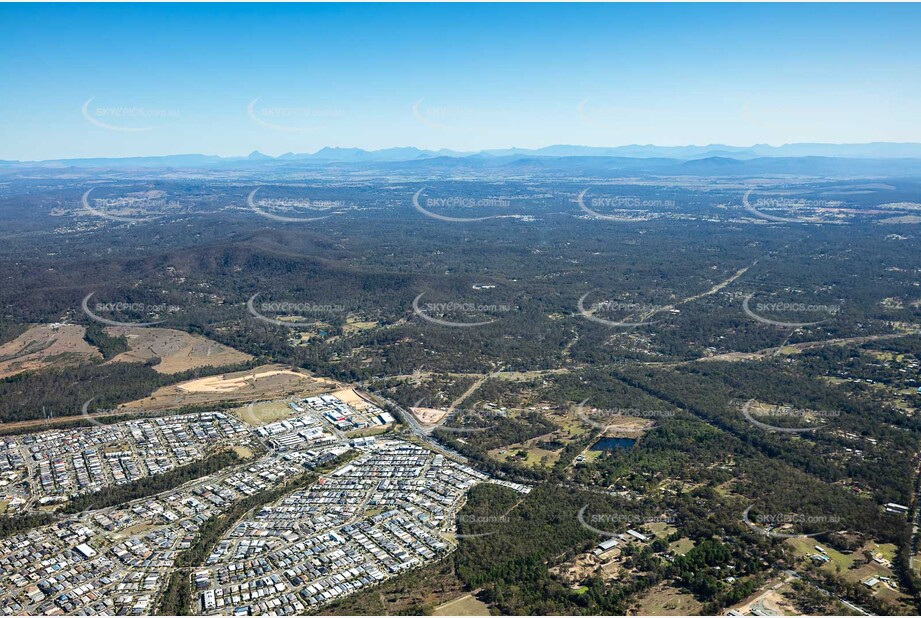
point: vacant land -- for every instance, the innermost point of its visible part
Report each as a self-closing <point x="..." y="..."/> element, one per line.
<point x="45" y="346"/>
<point x="681" y="546"/>
<point x="353" y="398"/>
<point x="265" y="382"/>
<point x="663" y="600"/>
<point x="243" y="451"/>
<point x="787" y="350"/>
<point x="467" y="605"/>
<point x="355" y="325"/>
<point x="527" y="453"/>
<point x="429" y="416"/>
<point x="262" y="412"/>
<point x="628" y="426"/>
<point x="771" y="600"/>
<point x="415" y="592"/>
<point x="135" y="529"/>
<point x="244" y="380"/>
<point x="178" y="351"/>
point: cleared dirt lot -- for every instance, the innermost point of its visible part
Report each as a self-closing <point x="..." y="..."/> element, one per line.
<point x="428" y="416"/>
<point x="45" y="346"/>
<point x="351" y="397"/>
<point x="265" y="382"/>
<point x="179" y="351"/>
<point x="663" y="600"/>
<point x="771" y="599"/>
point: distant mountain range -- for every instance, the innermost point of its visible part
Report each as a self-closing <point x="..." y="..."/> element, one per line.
<point x="872" y="158"/>
<point x="874" y="150"/>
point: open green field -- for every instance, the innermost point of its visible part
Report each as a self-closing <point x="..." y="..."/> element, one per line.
<point x="682" y="546"/>
<point x="467" y="605"/>
<point x="534" y="455"/>
<point x="262" y="412"/>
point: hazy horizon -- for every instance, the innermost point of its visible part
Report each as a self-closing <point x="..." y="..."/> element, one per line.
<point x="508" y="150"/>
<point x="155" y="80"/>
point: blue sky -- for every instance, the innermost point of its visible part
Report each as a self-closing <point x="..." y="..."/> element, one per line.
<point x="128" y="80"/>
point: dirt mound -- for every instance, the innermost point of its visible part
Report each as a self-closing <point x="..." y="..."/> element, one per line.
<point x="179" y="351"/>
<point x="46" y="345"/>
<point x="262" y="383"/>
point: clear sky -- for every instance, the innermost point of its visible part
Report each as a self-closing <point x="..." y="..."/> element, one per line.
<point x="127" y="80"/>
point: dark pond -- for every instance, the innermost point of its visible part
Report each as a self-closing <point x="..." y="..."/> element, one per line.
<point x="612" y="444"/>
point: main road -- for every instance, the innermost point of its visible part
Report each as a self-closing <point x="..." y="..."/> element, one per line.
<point x="410" y="421"/>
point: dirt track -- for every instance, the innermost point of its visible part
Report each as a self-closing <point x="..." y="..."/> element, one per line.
<point x="799" y="347"/>
<point x="262" y="383"/>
